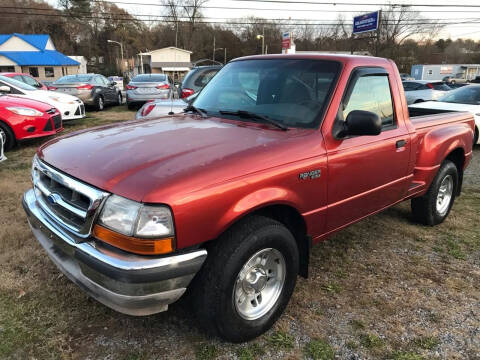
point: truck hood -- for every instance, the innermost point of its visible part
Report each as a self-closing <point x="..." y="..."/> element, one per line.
<point x="139" y="158"/>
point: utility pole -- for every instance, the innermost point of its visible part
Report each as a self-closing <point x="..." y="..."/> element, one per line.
<point x="378" y="31"/>
<point x="176" y="35"/>
<point x="225" y="56"/>
<point x="263" y="40"/>
<point x="213" y="56"/>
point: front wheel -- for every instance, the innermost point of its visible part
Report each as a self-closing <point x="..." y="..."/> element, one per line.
<point x="247" y="280"/>
<point x="119" y="99"/>
<point x="475" y="136"/>
<point x="8" y="137"/>
<point x="433" y="207"/>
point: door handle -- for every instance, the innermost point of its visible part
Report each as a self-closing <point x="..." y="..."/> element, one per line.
<point x="400" y="143"/>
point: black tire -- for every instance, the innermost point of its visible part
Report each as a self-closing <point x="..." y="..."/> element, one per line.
<point x="99" y="103"/>
<point x="475" y="136"/>
<point x="424" y="209"/>
<point x="9" y="136"/>
<point x="119" y="98"/>
<point x="212" y="291"/>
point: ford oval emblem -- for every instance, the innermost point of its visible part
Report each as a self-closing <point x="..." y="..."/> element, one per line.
<point x="53" y="198"/>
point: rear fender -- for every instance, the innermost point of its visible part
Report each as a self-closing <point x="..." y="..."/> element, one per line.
<point x="436" y="145"/>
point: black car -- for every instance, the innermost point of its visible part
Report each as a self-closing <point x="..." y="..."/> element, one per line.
<point x="93" y="89"/>
<point x="196" y="80"/>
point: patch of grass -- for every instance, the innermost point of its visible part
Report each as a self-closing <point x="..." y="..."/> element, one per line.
<point x="332" y="288"/>
<point x="206" y="352"/>
<point x="427" y="342"/>
<point x="406" y="356"/>
<point x="370" y="341"/>
<point x="357" y="324"/>
<point x="352" y="345"/>
<point x="250" y="352"/>
<point x="319" y="350"/>
<point x="454" y="249"/>
<point x="281" y="339"/>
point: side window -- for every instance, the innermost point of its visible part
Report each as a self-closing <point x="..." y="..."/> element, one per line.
<point x="12" y="89"/>
<point x="28" y="80"/>
<point x="372" y="93"/>
<point x="408" y="86"/>
<point x="33" y="71"/>
<point x="98" y="80"/>
<point x="104" y="80"/>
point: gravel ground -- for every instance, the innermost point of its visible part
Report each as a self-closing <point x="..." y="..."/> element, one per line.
<point x="384" y="288"/>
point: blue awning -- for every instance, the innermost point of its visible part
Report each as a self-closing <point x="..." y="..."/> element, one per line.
<point x="45" y="57"/>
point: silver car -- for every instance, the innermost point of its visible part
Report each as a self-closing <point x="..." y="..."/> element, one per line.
<point x="159" y="108"/>
<point x="148" y="87"/>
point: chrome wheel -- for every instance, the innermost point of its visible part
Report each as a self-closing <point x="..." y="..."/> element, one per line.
<point x="100" y="103"/>
<point x="259" y="284"/>
<point x="444" y="196"/>
<point x="120" y="99"/>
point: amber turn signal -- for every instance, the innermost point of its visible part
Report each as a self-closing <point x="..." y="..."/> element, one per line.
<point x="133" y="244"/>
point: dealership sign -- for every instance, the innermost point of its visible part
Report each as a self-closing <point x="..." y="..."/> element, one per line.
<point x="366" y="22"/>
<point x="286" y="40"/>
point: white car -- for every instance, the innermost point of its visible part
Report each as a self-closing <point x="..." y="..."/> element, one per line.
<point x="420" y="90"/>
<point x="466" y="98"/>
<point x="69" y="106"/>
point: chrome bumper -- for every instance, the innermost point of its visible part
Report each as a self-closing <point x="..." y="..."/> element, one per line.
<point x="128" y="283"/>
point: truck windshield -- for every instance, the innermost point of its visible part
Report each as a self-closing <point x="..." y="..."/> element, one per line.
<point x="465" y="95"/>
<point x="292" y="92"/>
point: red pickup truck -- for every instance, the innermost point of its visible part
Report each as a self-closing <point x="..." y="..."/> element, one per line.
<point x="274" y="155"/>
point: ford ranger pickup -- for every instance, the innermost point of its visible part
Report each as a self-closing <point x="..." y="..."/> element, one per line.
<point x="225" y="200"/>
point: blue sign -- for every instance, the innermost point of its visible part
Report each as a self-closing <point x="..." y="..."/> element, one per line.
<point x="366" y="22"/>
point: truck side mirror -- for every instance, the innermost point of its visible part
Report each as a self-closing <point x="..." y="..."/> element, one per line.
<point x="5" y="89"/>
<point x="360" y="122"/>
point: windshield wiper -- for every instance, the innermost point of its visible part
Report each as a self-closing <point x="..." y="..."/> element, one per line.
<point x="252" y="115"/>
<point x="202" y="112"/>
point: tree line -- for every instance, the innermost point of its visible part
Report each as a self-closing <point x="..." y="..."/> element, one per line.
<point x="82" y="27"/>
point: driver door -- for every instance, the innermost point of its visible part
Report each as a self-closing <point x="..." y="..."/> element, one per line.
<point x="367" y="173"/>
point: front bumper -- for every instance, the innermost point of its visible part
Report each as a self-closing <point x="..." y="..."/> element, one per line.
<point x="128" y="283"/>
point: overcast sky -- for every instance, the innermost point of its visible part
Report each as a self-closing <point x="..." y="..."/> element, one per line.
<point x="329" y="12"/>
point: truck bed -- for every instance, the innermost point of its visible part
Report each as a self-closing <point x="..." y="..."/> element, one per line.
<point x="427" y="118"/>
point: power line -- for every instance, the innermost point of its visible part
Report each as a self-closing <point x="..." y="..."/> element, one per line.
<point x="125" y="18"/>
<point x="184" y="18"/>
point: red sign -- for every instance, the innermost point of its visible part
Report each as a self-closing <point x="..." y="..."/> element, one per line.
<point x="286" y="43"/>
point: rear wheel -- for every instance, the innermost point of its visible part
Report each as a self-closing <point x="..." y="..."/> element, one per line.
<point x="434" y="206"/>
<point x="99" y="103"/>
<point x="247" y="280"/>
<point x="8" y="137"/>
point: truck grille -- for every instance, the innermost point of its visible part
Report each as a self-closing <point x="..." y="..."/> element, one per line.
<point x="67" y="201"/>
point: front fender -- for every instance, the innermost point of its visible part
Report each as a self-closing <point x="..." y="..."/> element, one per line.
<point x="257" y="200"/>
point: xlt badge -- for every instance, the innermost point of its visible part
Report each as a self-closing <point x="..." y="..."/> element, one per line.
<point x="314" y="174"/>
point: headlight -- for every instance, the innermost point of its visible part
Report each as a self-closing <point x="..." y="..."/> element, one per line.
<point x="25" y="111"/>
<point x="136" y="227"/>
<point x="120" y="214"/>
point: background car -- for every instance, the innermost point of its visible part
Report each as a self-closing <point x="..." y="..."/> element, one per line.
<point x="158" y="108"/>
<point x="466" y="98"/>
<point x="145" y="87"/>
<point x="405" y="76"/>
<point x="22" y="118"/>
<point x="27" y="79"/>
<point x="70" y="107"/>
<point x="196" y="80"/>
<point x="458" y="79"/>
<point x="421" y="90"/>
<point x="93" y="89"/>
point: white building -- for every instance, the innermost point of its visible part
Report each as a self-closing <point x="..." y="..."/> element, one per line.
<point x="169" y="60"/>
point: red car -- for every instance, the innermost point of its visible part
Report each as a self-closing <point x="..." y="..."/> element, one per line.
<point x="25" y="78"/>
<point x="274" y="155"/>
<point x="22" y="118"/>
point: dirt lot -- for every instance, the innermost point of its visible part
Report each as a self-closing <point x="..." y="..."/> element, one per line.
<point x="385" y="288"/>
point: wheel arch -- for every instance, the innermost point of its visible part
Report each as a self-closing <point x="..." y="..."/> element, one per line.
<point x="291" y="218"/>
<point x="457" y="156"/>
